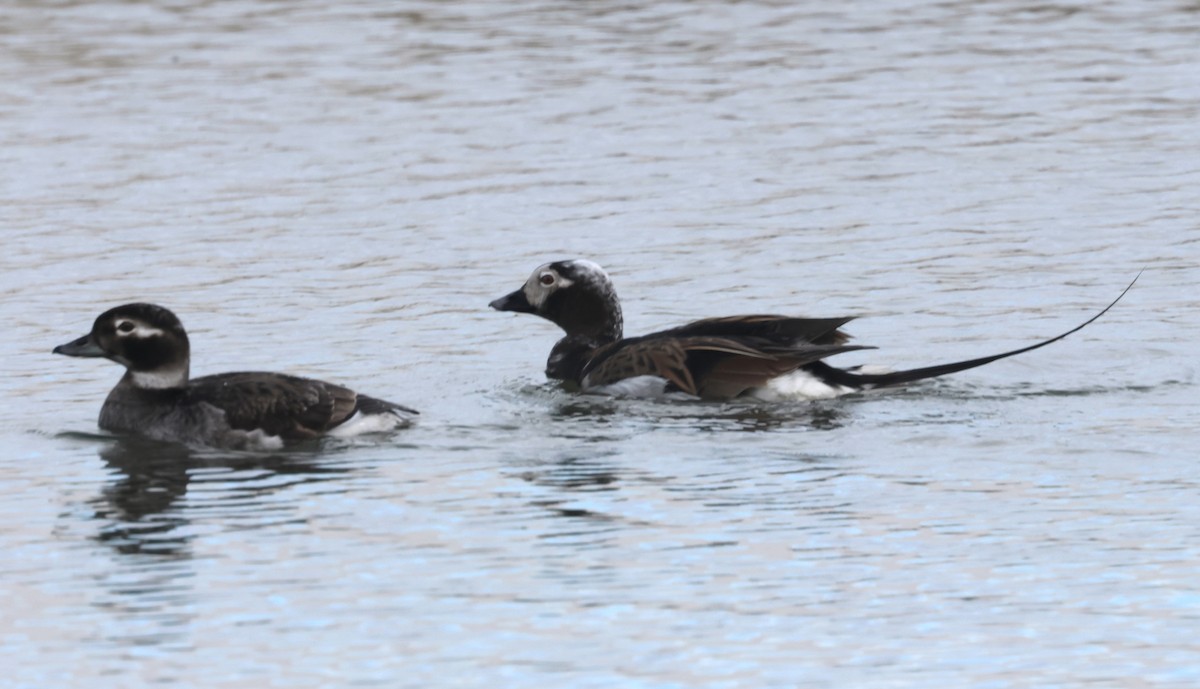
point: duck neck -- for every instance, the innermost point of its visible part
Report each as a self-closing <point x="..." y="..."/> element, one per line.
<point x="594" y="315"/>
<point x="570" y="355"/>
<point x="172" y="377"/>
<point x="591" y="319"/>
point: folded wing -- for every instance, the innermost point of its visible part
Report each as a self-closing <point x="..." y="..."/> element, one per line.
<point x="719" y="358"/>
<point x="290" y="407"/>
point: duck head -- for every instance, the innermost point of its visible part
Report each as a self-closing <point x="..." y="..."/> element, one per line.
<point x="148" y="340"/>
<point x="576" y="295"/>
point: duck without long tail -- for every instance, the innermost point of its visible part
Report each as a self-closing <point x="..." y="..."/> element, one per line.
<point x="714" y="358"/>
<point x="157" y="399"/>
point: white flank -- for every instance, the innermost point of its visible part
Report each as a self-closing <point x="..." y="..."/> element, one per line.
<point x="362" y="424"/>
<point x="259" y="440"/>
<point x="637" y="386"/>
<point x="798" y="385"/>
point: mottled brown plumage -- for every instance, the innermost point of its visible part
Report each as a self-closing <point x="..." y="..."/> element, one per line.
<point x="704" y="366"/>
<point x="712" y="358"/>
<point x="782" y="330"/>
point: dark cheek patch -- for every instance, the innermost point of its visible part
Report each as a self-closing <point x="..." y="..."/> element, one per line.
<point x="552" y="306"/>
<point x="149" y="354"/>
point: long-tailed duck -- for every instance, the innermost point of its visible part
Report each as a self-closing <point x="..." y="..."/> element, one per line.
<point x="252" y="410"/>
<point x="770" y="357"/>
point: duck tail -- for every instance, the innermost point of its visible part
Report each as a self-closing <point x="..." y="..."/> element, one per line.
<point x="869" y="381"/>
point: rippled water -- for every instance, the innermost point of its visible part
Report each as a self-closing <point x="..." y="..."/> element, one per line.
<point x="338" y="189"/>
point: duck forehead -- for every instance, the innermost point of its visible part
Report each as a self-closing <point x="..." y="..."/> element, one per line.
<point x="542" y="270"/>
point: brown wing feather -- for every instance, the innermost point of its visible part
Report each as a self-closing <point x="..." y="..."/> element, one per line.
<point x="733" y="375"/>
<point x="672" y="365"/>
<point x="738" y="365"/>
<point x="663" y="358"/>
<point x="290" y="407"/>
<point x="776" y="329"/>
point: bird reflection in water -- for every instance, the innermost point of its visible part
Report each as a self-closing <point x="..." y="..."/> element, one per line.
<point x="706" y="416"/>
<point x="141" y="503"/>
<point x="569" y="478"/>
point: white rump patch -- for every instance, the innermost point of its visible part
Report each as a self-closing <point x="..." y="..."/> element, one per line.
<point x="798" y="385"/>
<point x="362" y="424"/>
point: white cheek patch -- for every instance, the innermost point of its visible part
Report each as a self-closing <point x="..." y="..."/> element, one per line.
<point x="536" y="293"/>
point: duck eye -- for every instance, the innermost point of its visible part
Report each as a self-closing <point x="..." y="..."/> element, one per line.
<point x="125" y="327"/>
<point x="547" y="279"/>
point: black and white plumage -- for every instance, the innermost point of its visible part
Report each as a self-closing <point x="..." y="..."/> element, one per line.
<point x="766" y="356"/>
<point x="157" y="399"/>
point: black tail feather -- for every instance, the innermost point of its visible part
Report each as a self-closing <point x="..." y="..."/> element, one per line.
<point x="373" y="405"/>
<point x="867" y="381"/>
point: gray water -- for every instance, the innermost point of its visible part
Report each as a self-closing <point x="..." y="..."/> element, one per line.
<point x="338" y="189"/>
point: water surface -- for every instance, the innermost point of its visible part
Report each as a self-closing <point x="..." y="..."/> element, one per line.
<point x="339" y="189"/>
